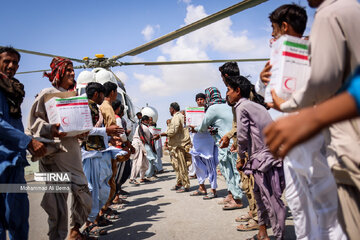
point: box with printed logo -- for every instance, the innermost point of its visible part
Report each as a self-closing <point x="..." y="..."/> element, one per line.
<point x="72" y="112"/>
<point x="194" y="116"/>
<point x="290" y="66"/>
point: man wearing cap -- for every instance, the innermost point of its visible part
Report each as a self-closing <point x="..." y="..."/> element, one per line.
<point x="68" y="160"/>
<point x="14" y="207"/>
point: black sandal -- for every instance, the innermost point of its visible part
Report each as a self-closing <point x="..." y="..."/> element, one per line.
<point x="102" y="222"/>
<point x="89" y="231"/>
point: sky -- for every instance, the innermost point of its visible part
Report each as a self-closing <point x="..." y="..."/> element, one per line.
<point x="84" y="28"/>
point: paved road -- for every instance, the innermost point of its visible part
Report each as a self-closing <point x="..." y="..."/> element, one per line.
<point x="155" y="212"/>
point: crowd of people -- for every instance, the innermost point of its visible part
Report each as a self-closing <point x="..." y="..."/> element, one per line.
<point x="308" y="155"/>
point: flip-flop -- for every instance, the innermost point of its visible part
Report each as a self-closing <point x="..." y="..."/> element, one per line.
<point x="249" y="226"/>
<point x="197" y="193"/>
<point x="223" y="202"/>
<point x="117" y="206"/>
<point x="232" y="206"/>
<point x="210" y="195"/>
<point x="243" y="218"/>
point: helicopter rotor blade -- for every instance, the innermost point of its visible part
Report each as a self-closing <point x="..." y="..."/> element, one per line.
<point x="241" y="6"/>
<point x="194" y="61"/>
<point x="47" y="55"/>
<point x="45" y="70"/>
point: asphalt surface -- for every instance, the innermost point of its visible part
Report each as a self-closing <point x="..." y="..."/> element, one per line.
<point x="156" y="212"/>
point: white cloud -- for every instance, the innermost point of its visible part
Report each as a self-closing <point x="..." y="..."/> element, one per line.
<point x="217" y="37"/>
<point x="149" y="31"/>
<point x="185" y="1"/>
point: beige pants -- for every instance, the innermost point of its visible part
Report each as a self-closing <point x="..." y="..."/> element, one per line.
<point x="181" y="160"/>
<point x="140" y="163"/>
<point x="247" y="185"/>
<point x="347" y="177"/>
<point x="55" y="205"/>
<point x="112" y="182"/>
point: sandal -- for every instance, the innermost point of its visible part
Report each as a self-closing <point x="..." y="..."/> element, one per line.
<point x="144" y="180"/>
<point x="134" y="182"/>
<point x="249" y="226"/>
<point x="210" y="195"/>
<point x="224" y="202"/>
<point x="197" y="193"/>
<point x="232" y="206"/>
<point x="110" y="214"/>
<point x="243" y="218"/>
<point x="117" y="206"/>
<point x="102" y="221"/>
<point x="120" y="201"/>
<point x="94" y="230"/>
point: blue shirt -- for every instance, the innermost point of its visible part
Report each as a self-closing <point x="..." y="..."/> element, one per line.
<point x="354" y="87"/>
<point x="13" y="141"/>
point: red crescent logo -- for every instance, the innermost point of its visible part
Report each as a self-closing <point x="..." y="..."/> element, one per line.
<point x="289" y="81"/>
<point x="65" y="121"/>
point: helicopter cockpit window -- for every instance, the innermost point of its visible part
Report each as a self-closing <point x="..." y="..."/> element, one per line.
<point x="80" y="91"/>
<point x="130" y="110"/>
<point x="119" y="97"/>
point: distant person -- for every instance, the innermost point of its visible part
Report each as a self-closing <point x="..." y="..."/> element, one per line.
<point x="218" y="118"/>
<point x="110" y="120"/>
<point x="205" y="157"/>
<point x="180" y="144"/>
<point x="190" y="165"/>
<point x="139" y="116"/>
<point x="62" y="77"/>
<point x="96" y="160"/>
<point x="14" y="207"/>
<point x="159" y="152"/>
<point x="140" y="162"/>
<point x="151" y="154"/>
<point x="123" y="168"/>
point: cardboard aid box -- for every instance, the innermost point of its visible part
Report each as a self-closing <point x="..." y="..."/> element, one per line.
<point x="290" y="66"/>
<point x="71" y="111"/>
<point x="194" y="116"/>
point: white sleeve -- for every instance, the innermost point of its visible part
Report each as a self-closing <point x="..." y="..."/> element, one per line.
<point x="260" y="88"/>
<point x="98" y="131"/>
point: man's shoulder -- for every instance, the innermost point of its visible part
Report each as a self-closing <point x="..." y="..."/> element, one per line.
<point x="339" y="8"/>
<point x="105" y="105"/>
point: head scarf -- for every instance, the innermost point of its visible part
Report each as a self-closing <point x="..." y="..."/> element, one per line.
<point x="200" y="95"/>
<point x="58" y="66"/>
<point x="213" y="96"/>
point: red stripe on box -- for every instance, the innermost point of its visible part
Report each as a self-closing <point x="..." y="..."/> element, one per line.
<point x="71" y="104"/>
<point x="195" y="111"/>
<point x="294" y="55"/>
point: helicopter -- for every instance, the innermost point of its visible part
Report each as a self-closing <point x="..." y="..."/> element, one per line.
<point x="100" y="62"/>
